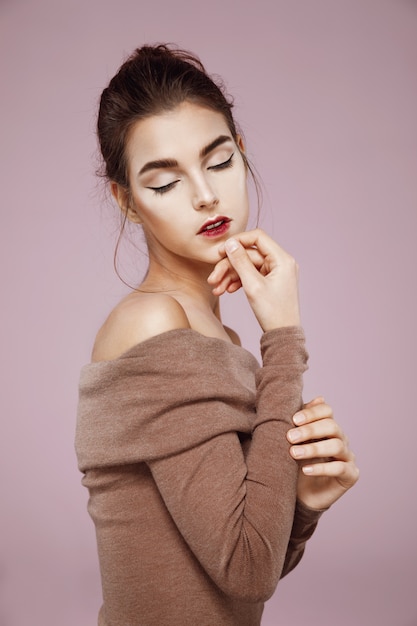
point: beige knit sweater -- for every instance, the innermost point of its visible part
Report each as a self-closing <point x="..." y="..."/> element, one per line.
<point x="182" y="440"/>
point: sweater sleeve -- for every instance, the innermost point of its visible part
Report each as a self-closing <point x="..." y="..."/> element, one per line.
<point x="236" y="513"/>
<point x="304" y="525"/>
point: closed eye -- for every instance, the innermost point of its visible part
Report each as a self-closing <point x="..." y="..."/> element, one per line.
<point x="224" y="165"/>
<point x="164" y="188"/>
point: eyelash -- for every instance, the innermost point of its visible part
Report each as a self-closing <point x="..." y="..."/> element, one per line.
<point x="164" y="188"/>
<point x="220" y="166"/>
<point x="224" y="165"/>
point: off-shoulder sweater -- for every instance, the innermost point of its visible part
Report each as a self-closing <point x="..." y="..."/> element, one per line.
<point x="182" y="441"/>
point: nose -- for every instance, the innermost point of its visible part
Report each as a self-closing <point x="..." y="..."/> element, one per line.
<point x="204" y="196"/>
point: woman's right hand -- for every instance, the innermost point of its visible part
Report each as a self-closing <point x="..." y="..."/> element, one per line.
<point x="267" y="274"/>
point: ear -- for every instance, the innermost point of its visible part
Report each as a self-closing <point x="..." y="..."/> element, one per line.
<point x="242" y="149"/>
<point x="121" y="195"/>
<point x="240" y="144"/>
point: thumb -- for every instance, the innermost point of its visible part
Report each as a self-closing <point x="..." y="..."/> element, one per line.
<point x="239" y="259"/>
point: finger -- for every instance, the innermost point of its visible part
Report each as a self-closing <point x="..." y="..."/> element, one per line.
<point x="230" y="284"/>
<point x="220" y="270"/>
<point x="328" y="448"/>
<point x="334" y="469"/>
<point x="256" y="258"/>
<point x="224" y="266"/>
<point x="240" y="261"/>
<point x="257" y="238"/>
<point x="314" y="402"/>
<point x="346" y="474"/>
<point x="312" y="413"/>
<point x="234" y="286"/>
<point x="321" y="429"/>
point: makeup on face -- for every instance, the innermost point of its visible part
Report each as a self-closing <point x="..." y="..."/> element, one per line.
<point x="217" y="226"/>
<point x="188" y="183"/>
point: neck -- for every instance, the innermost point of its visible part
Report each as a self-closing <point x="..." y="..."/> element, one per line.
<point x="183" y="280"/>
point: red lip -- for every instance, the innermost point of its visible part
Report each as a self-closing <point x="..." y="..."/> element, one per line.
<point x="209" y="225"/>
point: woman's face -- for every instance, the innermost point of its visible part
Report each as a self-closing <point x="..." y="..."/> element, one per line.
<point x="187" y="183"/>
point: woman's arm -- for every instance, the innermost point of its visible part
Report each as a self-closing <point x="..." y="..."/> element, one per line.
<point x="327" y="465"/>
<point x="236" y="514"/>
<point x="247" y="507"/>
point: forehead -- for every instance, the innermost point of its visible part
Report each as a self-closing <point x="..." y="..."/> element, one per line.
<point x="180" y="133"/>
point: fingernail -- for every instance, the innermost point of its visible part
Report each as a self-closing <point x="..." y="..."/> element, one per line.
<point x="299" y="418"/>
<point x="308" y="469"/>
<point x="298" y="452"/>
<point x="231" y="245"/>
<point x="294" y="435"/>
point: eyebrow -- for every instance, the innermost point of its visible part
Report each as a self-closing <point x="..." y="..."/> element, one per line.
<point x="170" y="163"/>
<point x="214" y="144"/>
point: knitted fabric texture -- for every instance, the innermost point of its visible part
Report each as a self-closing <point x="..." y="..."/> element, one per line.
<point x="182" y="441"/>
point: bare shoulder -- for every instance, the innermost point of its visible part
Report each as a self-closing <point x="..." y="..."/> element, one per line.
<point x="138" y="317"/>
<point x="233" y="336"/>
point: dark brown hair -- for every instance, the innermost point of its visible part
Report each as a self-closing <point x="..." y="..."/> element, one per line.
<point x="152" y="80"/>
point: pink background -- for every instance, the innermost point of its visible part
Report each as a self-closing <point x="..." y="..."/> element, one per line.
<point x="326" y="92"/>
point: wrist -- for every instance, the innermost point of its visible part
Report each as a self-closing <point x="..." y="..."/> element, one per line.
<point x="281" y="320"/>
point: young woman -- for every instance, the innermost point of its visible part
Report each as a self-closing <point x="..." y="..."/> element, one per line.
<point x="206" y="473"/>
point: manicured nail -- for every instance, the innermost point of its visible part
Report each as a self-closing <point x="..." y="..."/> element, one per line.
<point x="299" y="418"/>
<point x="308" y="469"/>
<point x="294" y="435"/>
<point x="231" y="245"/>
<point x="298" y="452"/>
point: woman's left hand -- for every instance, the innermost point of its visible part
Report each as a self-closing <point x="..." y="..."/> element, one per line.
<point x="327" y="465"/>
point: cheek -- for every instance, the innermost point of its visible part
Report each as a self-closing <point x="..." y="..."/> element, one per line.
<point x="234" y="185"/>
<point x="157" y="218"/>
<point x="146" y="208"/>
<point x="242" y="179"/>
<point x="240" y="191"/>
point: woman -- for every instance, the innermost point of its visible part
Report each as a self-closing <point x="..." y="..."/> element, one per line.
<point x="206" y="473"/>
